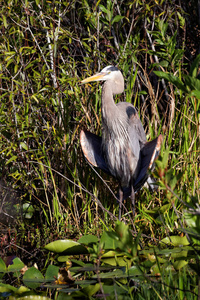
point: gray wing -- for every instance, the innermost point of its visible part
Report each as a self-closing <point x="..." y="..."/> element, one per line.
<point x="149" y="153"/>
<point x="92" y="150"/>
<point x="137" y="136"/>
<point x="146" y="152"/>
<point x="135" y="127"/>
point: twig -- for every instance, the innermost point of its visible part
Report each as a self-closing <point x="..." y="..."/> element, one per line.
<point x="53" y="74"/>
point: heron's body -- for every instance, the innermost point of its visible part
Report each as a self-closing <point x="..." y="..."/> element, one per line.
<point x="123" y="136"/>
<point x="120" y="139"/>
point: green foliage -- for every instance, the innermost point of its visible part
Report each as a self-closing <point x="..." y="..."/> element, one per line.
<point x="62" y="246"/>
<point x="191" y="85"/>
<point x="110" y="265"/>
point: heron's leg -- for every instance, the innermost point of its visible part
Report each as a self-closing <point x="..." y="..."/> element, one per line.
<point x="120" y="202"/>
<point x="133" y="199"/>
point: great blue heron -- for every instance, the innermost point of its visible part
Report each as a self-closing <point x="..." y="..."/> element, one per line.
<point x="123" y="150"/>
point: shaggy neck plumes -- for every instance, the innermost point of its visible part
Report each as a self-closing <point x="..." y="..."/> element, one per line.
<point x="115" y="135"/>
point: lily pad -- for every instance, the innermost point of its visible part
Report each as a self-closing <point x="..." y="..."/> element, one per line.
<point x="67" y="247"/>
<point x="51" y="273"/>
<point x="33" y="278"/>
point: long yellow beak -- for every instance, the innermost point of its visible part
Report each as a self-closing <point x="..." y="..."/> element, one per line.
<point x="96" y="77"/>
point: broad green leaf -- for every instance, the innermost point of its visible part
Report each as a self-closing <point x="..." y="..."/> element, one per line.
<point x="51" y="272"/>
<point x="116" y="19"/>
<point x="173" y="79"/>
<point x="107" y="241"/>
<point x="66" y="247"/>
<point x="192" y="220"/>
<point x="2" y="266"/>
<point x="33" y="278"/>
<point x="17" y="265"/>
<point x="175" y="240"/>
<point x="88" y="239"/>
<point x="179" y="264"/>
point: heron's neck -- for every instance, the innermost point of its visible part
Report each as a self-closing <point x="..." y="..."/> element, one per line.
<point x="114" y="121"/>
<point x="109" y="108"/>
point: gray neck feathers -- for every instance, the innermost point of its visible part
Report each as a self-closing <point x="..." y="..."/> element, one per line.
<point x="114" y="120"/>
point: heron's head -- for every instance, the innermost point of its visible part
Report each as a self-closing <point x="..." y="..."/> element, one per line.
<point x="109" y="73"/>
